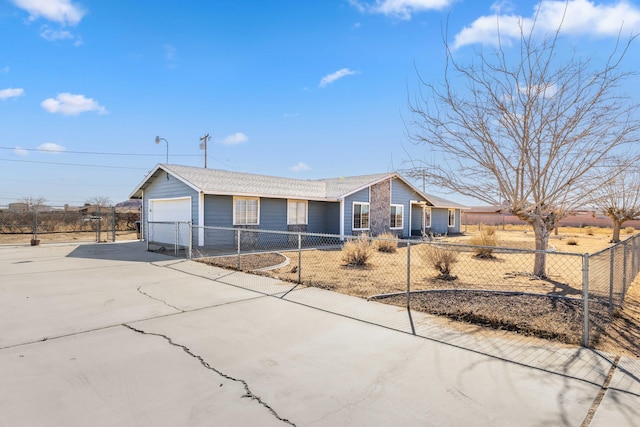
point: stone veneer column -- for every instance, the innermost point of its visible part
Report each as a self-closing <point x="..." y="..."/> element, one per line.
<point x="380" y="207"/>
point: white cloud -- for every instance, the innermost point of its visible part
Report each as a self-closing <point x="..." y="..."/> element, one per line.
<point x="402" y="9"/>
<point x="502" y="6"/>
<point x="300" y="167"/>
<point x="582" y="17"/>
<point x="51" y="35"/>
<point x="11" y="93"/>
<point x="51" y="147"/>
<point x="69" y="104"/>
<point x="63" y="12"/>
<point x="236" y="138"/>
<point x="548" y="90"/>
<point x="330" y="78"/>
<point x="19" y="151"/>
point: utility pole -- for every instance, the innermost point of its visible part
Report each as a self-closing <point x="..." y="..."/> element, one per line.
<point x="203" y="146"/>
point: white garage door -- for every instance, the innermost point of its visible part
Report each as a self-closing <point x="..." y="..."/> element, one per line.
<point x="163" y="216"/>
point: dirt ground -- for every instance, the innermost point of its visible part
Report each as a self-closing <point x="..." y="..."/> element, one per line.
<point x="535" y="311"/>
<point x="80" y="236"/>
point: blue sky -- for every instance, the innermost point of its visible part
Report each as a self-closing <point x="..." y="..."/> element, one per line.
<point x="304" y="89"/>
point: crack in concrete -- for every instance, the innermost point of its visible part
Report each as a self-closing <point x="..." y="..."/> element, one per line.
<point x="603" y="390"/>
<point x="248" y="393"/>
<point x="158" y="299"/>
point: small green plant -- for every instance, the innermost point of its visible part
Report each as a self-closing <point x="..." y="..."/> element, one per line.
<point x="441" y="259"/>
<point x="630" y="230"/>
<point x="572" y="242"/>
<point x="484" y="243"/>
<point x="386" y="242"/>
<point x="357" y="252"/>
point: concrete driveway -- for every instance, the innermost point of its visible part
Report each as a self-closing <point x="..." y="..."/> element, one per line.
<point x="112" y="335"/>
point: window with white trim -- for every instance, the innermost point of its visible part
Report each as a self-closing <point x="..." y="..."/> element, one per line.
<point x="246" y="210"/>
<point x="360" y="216"/>
<point x="427" y="217"/>
<point x="452" y="217"/>
<point x="397" y="213"/>
<point x="297" y="212"/>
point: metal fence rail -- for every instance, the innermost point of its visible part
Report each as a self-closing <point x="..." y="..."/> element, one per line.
<point x="105" y="222"/>
<point x="597" y="283"/>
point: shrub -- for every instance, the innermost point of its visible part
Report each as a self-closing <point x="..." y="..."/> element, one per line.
<point x="588" y="231"/>
<point x="489" y="230"/>
<point x="630" y="230"/>
<point x="386" y="242"/>
<point x="572" y="242"/>
<point x="485" y="242"/>
<point x="357" y="251"/>
<point x="441" y="259"/>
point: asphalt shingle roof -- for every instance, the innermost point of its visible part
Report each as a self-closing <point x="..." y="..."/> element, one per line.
<point x="216" y="181"/>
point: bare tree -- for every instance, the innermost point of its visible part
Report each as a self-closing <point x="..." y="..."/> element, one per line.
<point x="34" y="204"/>
<point x="619" y="197"/>
<point x="525" y="127"/>
<point x="101" y="201"/>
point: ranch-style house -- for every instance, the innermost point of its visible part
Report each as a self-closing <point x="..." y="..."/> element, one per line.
<point x="351" y="205"/>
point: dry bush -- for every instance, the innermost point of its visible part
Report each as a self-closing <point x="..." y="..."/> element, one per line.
<point x="485" y="242"/>
<point x="572" y="242"/>
<point x="386" y="242"/>
<point x="489" y="230"/>
<point x="588" y="231"/>
<point x="441" y="259"/>
<point x="357" y="251"/>
<point x="630" y="230"/>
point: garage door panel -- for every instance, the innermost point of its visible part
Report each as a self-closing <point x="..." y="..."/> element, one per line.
<point x="169" y="211"/>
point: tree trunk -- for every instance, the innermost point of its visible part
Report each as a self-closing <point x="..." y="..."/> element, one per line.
<point x="616" y="231"/>
<point x="542" y="240"/>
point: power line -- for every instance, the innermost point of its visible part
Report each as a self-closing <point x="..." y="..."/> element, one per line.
<point x="72" y="164"/>
<point x="43" y="150"/>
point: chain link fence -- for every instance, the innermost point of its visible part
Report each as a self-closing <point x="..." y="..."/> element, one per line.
<point x="424" y="275"/>
<point x="105" y="224"/>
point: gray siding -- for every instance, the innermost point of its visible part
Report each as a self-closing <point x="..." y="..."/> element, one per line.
<point x="163" y="188"/>
<point x="273" y="214"/>
<point x="218" y="211"/>
<point x="440" y="220"/>
<point x="457" y="228"/>
<point x="416" y="220"/>
<point x="360" y="196"/>
<point x="324" y="217"/>
<point x="402" y="194"/>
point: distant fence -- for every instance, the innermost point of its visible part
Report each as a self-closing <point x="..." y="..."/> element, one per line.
<point x="597" y="283"/>
<point x="470" y="219"/>
<point x="104" y="223"/>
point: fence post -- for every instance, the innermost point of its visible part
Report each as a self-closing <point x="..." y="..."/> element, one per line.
<point x="190" y="254"/>
<point x="299" y="257"/>
<point x="633" y="259"/>
<point x="611" y="269"/>
<point x="98" y="224"/>
<point x="113" y="222"/>
<point x="176" y="238"/>
<point x="585" y="300"/>
<point x="238" y="249"/>
<point x="413" y="329"/>
<point x="624" y="271"/>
